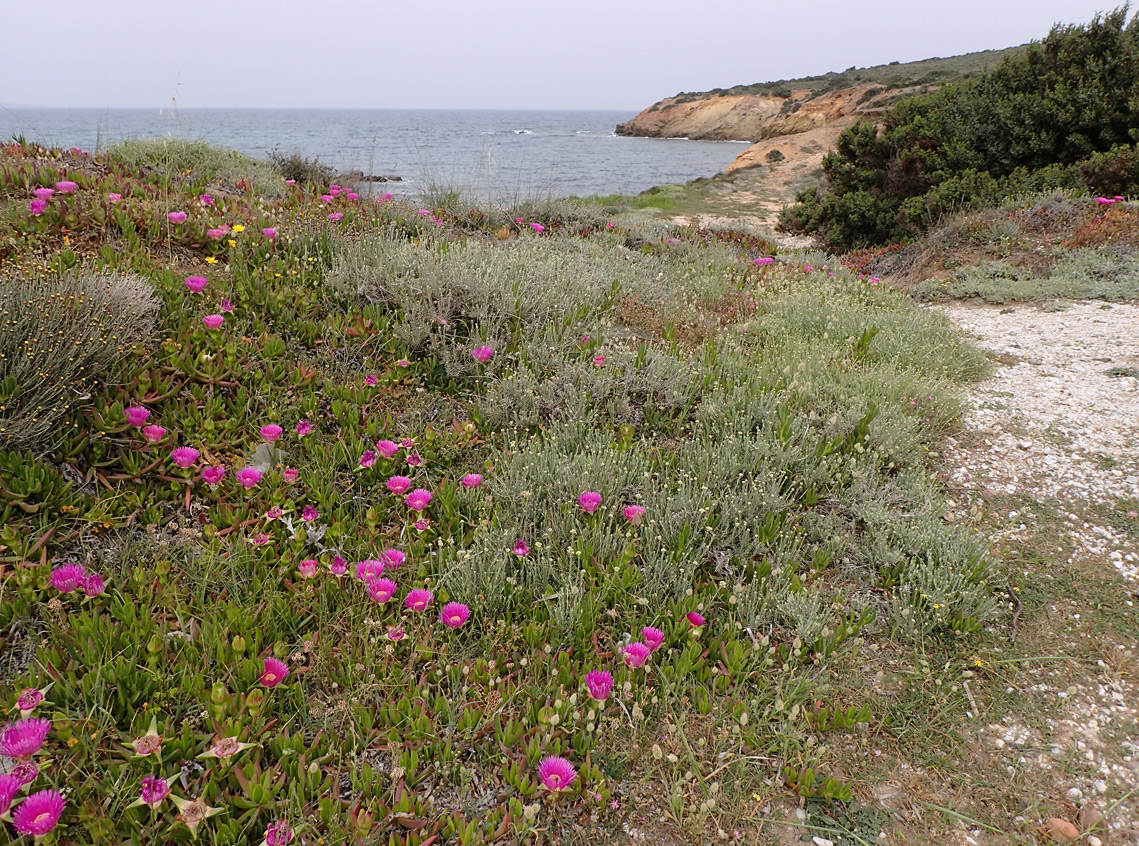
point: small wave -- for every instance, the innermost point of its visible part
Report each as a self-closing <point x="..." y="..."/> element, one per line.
<point x="523" y="132"/>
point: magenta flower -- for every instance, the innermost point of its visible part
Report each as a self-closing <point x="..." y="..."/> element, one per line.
<point x="419" y="599"/>
<point x="395" y="633"/>
<point x="369" y="568"/>
<point x="153" y="791"/>
<point x="66" y="187"/>
<point x="383" y="198"/>
<point x="599" y="361"/>
<point x="290" y="182"/>
<point x="339" y="566"/>
<point x="414" y="460"/>
<point x="25" y="771"/>
<point x="371" y="380"/>
<point x="695" y="619"/>
<point x="248" y="477"/>
<point x="37" y="207"/>
<point x="520" y="548"/>
<point x="197" y="284"/>
<point x="482" y="354"/>
<point x="304" y="427"/>
<point x="10" y="785"/>
<point x="471" y="480"/>
<point x="154" y="434"/>
<point x="94" y="585"/>
<point x="29" y="698"/>
<point x="762" y="260"/>
<point x="275" y="672"/>
<point x="387" y="448"/>
<point x="269" y="232"/>
<point x="636" y="653"/>
<point x="270" y="432"/>
<point x="368" y="458"/>
<point x="423" y="212"/>
<point x="335" y="216"/>
<point x="326" y="198"/>
<point x="334" y="189"/>
<point x="213" y="321"/>
<point x="259" y="539"/>
<point x="225" y="307"/>
<point x="113" y="198"/>
<point x="291" y="474"/>
<point x="352" y="195"/>
<point x="634" y="513"/>
<point x="381" y="590"/>
<point x="407" y="443"/>
<point x="275" y="513"/>
<point x="39" y="813"/>
<point x="68" y="577"/>
<point x="1104" y="201"/>
<point x="589" y="501"/>
<point x="206" y="200"/>
<point x="392" y="558"/>
<point x="653" y="637"/>
<point x="184" y="457"/>
<point x="212" y="476"/>
<point x="418" y="499"/>
<point x="23" y="738"/>
<point x="398" y="484"/>
<point x="308" y="568"/>
<point x="556" y="773"/>
<point x="537" y="227"/>
<point x="278" y="834"/>
<point x="599" y="683"/>
<point x="216" y="234"/>
<point x="136" y="415"/>
<point x="309" y="514"/>
<point x="422" y="524"/>
<point x="454" y="614"/>
<point x="176" y="217"/>
<point x="44" y="193"/>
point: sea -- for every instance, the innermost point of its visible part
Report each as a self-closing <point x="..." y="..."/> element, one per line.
<point x="488" y="155"/>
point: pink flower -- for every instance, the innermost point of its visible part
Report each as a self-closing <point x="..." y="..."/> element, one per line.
<point x="176" y="217"/>
<point x="136" y="415"/>
<point x="371" y="381"/>
<point x="308" y="568"/>
<point x="68" y="577"/>
<point x="407" y="443"/>
<point x="392" y="558"/>
<point x="599" y="683"/>
<point x="216" y="234"/>
<point x="335" y="216"/>
<point x="309" y="514"/>
<point x="422" y="524"/>
<point x="381" y="590"/>
<point x="696" y="620"/>
<point x="37" y="207"/>
<point x="368" y="458"/>
<point x="482" y="354"/>
<point x="290" y="182"/>
<point x="653" y="637"/>
<point x="259" y="539"/>
<point x="270" y="432"/>
<point x="352" y="195"/>
<point x="537" y="227"/>
<point x="334" y="189"/>
<point x="66" y="187"/>
<point x="206" y="200"/>
<point x="213" y="321"/>
<point x="520" y="548"/>
<point x="153" y="791"/>
<point x="28" y="699"/>
<point x="326" y="198"/>
<point x="556" y="773"/>
<point x="471" y="480"/>
<point x="275" y="672"/>
<point x="387" y="448"/>
<point x="385" y="198"/>
<point x="10" y="785"/>
<point x="403" y="362"/>
<point x="419" y="599"/>
<point x="291" y="474"/>
<point x="304" y="427"/>
<point x="414" y="460"/>
<point x="395" y="633"/>
<point x="398" y="484"/>
<point x="44" y="193"/>
<point x="197" y="284"/>
<point x="599" y="361"/>
<point x="634" y="513"/>
<point x="39" y="813"/>
<point x="94" y="585"/>
<point x="275" y="513"/>
<point x="369" y="568"/>
<point x="154" y="434"/>
<point x="589" y="501"/>
<point x="113" y="198"/>
<point x="25" y="771"/>
<point x="339" y="566"/>
<point x="762" y="260"/>
<point x="636" y="653"/>
<point x="418" y="499"/>
<point x="248" y="477"/>
<point x="184" y="456"/>
<point x="212" y="476"/>
<point x="423" y="212"/>
<point x="1104" y="201"/>
<point x="278" y="834"/>
<point x="23" y="739"/>
<point x="454" y="614"/>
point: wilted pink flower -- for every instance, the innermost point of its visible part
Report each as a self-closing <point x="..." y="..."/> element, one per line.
<point x="368" y="458"/>
<point x="28" y="699"/>
<point x="309" y="514"/>
<point x="10" y="785"/>
<point x="260" y="539"/>
<point x="308" y="568"/>
<point x="153" y="791"/>
<point x="44" y="193"/>
<point x="419" y="599"/>
<point x="39" y="813"/>
<point x="23" y="738"/>
<point x="37" y="207"/>
<point x="407" y="443"/>
<point x="176" y="217"/>
<point x="67" y="577"/>
<point x="599" y="683"/>
<point x="599" y="361"/>
<point x="403" y="362"/>
<point x="369" y="568"/>
<point x="291" y="474"/>
<point x="633" y="513"/>
<point x="154" y="434"/>
<point x="421" y="525"/>
<point x="275" y="513"/>
<point x="275" y="672"/>
<point x="537" y="227"/>
<point x="197" y="284"/>
<point x="636" y="653"/>
<point x="482" y="354"/>
<point x="304" y="427"/>
<point x="338" y="566"/>
<point x="381" y="590"/>
<point x="66" y="187"/>
<point x="418" y="499"/>
<point x="695" y="619"/>
<point x="395" y="633"/>
<point x="387" y="448"/>
<point x="94" y="585"/>
<point x="270" y="432"/>
<point x="398" y="484"/>
<point x="212" y="476"/>
<point x="335" y="216"/>
<point x="471" y="480"/>
<point x="113" y="198"/>
<point x="454" y="614"/>
<point x="392" y="558"/>
<point x="371" y="380"/>
<point x="136" y="415"/>
<point x="556" y="773"/>
<point x="248" y="477"/>
<point x="589" y="501"/>
<point x="653" y="637"/>
<point x="520" y="548"/>
<point x="278" y="834"/>
<point x="213" y="321"/>
<point x="25" y="772"/>
<point x="184" y="456"/>
<point x="206" y="200"/>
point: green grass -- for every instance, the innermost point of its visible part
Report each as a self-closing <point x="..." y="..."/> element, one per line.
<point x="180" y="158"/>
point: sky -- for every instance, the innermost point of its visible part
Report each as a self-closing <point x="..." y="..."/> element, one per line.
<point x="477" y="54"/>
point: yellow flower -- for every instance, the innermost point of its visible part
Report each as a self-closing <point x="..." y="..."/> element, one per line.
<point x="237" y="227"/>
<point x="211" y="260"/>
<point x="232" y="242"/>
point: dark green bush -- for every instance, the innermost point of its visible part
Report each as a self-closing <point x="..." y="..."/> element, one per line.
<point x="1115" y="172"/>
<point x="303" y="170"/>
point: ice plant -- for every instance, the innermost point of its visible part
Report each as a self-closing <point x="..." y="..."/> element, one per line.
<point x="193" y="812"/>
<point x="216" y="234"/>
<point x="537" y="227"/>
<point x="94" y="585"/>
<point x="414" y="459"/>
<point x="371" y="380"/>
<point x="39" y="813"/>
<point x="29" y="699"/>
<point x="270" y="432"/>
<point x="154" y="434"/>
<point x="248" y="477"/>
<point x="206" y="200"/>
<point x="68" y="577"/>
<point x="471" y="480"/>
<point x="304" y="427"/>
<point x="184" y="456"/>
<point x="275" y="513"/>
<point x="381" y="590"/>
<point x="339" y="566"/>
<point x="599" y="683"/>
<point x="369" y="568"/>
<point x="636" y="653"/>
<point x="395" y="633"/>
<point x="37" y="207"/>
<point x="44" y="193"/>
<point x="520" y="548"/>
<point x="599" y="361"/>
<point x="695" y="619"/>
<point x="368" y="458"/>
<point x="634" y="513"/>
<point x="309" y="514"/>
<point x="150" y="743"/>
<point x="482" y="354"/>
<point x="66" y="187"/>
<point x="308" y="568"/>
<point x="213" y="321"/>
<point x="291" y="474"/>
<point x="418" y="499"/>
<point x="387" y="448"/>
<point x="589" y="501"/>
<point x="10" y="785"/>
<point x="113" y="198"/>
<point x="212" y="476"/>
<point x="278" y="834"/>
<point x="762" y="260"/>
<point x="398" y="484"/>
<point x="392" y="558"/>
<point x="275" y="671"/>
<point x="23" y="738"/>
<point x="25" y="771"/>
<point x="556" y="773"/>
<point x="136" y="415"/>
<point x="176" y="217"/>
<point x="152" y="792"/>
<point x="653" y="637"/>
<point x="225" y="748"/>
<point x="454" y="614"/>
<point x="269" y="232"/>
<point x="335" y="216"/>
<point x="197" y="284"/>
<point x="419" y="599"/>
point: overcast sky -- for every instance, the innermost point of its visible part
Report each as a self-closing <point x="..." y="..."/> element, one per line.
<point x="480" y="54"/>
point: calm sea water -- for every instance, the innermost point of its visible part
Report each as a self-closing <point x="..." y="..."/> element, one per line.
<point x="500" y="154"/>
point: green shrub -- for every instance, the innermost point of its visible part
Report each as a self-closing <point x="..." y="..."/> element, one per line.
<point x="200" y="162"/>
<point x="1113" y="173"/>
<point x="301" y="169"/>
